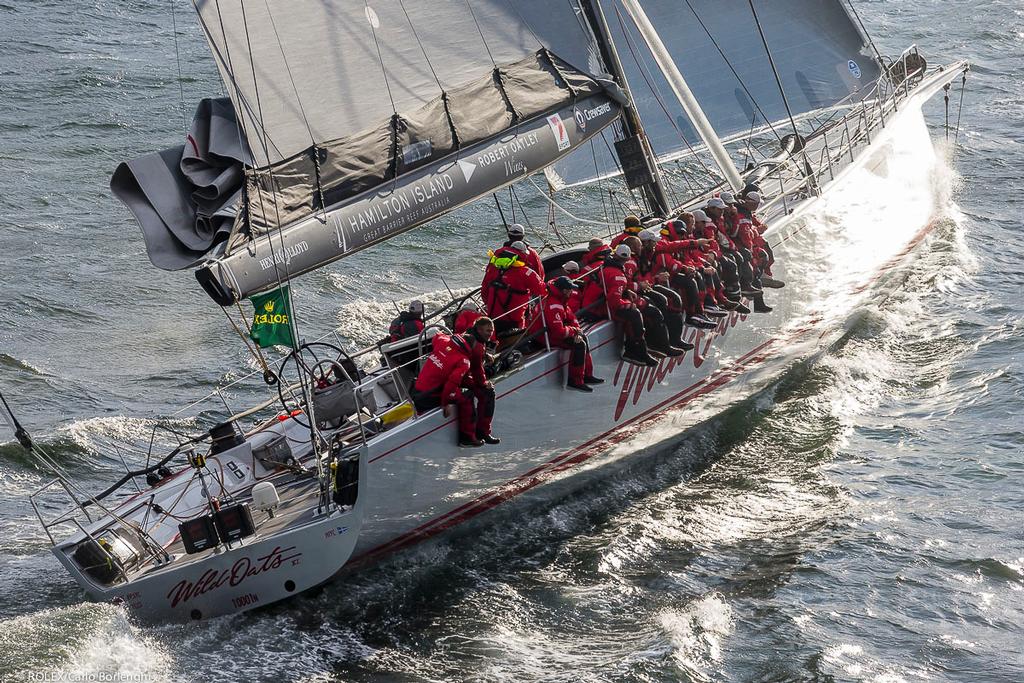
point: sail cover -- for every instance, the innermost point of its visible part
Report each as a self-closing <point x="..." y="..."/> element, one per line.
<point x="821" y="56"/>
<point x="337" y="96"/>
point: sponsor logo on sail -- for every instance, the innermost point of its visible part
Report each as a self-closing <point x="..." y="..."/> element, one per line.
<point x="581" y="119"/>
<point x="559" y="131"/>
<point x="854" y="68"/>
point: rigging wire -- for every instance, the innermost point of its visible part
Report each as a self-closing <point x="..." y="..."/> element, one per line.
<point x="771" y="62"/>
<point x="806" y="170"/>
<point x="734" y="73"/>
<point x="864" y="30"/>
<point x="239" y="100"/>
<point x="315" y="435"/>
<point x="302" y="111"/>
<point x="959" y="111"/>
<point x="479" y="30"/>
<point x="177" y="60"/>
<point x="568" y="213"/>
<point x="657" y="94"/>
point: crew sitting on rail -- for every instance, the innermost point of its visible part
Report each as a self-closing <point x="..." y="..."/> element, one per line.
<point x="641" y="323"/>
<point x="682" y="256"/>
<point x="453" y="374"/>
<point x="701" y="257"/>
<point x="564" y="332"/>
<point x="631" y="225"/>
<point x="753" y="258"/>
<point x="517" y="233"/>
<point x="720" y="213"/>
<point x="745" y="212"/>
<point x="656" y="271"/>
<point x="508" y="285"/>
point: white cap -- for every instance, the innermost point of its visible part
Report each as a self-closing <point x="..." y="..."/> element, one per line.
<point x="700" y="217"/>
<point x="469" y="305"/>
<point x="623" y="251"/>
<point x="416" y="306"/>
<point x="727" y="198"/>
<point x="754" y="197"/>
<point x="516" y="230"/>
<point x="571" y="267"/>
<point x="716" y="203"/>
<point x="519" y="246"/>
<point x="649" y="235"/>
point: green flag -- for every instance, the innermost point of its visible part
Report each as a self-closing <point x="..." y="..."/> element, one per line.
<point x="271" y="323"/>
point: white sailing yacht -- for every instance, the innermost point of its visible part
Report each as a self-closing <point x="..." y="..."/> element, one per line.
<point x="349" y="123"/>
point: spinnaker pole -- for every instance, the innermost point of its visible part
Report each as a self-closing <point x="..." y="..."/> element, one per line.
<point x="683" y="94"/>
<point x="655" y="191"/>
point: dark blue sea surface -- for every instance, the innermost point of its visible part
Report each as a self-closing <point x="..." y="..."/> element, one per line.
<point x="861" y="521"/>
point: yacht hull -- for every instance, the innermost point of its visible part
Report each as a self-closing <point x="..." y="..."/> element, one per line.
<point x="415" y="483"/>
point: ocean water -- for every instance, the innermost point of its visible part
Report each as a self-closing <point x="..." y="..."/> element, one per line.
<point x="861" y="521"/>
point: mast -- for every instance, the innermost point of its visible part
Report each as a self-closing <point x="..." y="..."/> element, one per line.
<point x="654" y="190"/>
<point x="683" y="93"/>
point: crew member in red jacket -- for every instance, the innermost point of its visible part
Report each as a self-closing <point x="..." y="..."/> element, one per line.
<point x="631" y="225"/>
<point x="749" y="231"/>
<point x="597" y="251"/>
<point x="609" y="291"/>
<point x="572" y="271"/>
<point x="508" y="285"/>
<point x="517" y="233"/>
<point x="564" y="332"/>
<point x="453" y="375"/>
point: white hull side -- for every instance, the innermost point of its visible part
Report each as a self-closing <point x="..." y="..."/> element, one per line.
<point x="829" y="251"/>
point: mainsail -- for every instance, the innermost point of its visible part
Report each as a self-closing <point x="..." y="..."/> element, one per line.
<point x="822" y="58"/>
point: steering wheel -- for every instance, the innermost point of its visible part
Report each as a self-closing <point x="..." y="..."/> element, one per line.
<point x="317" y="369"/>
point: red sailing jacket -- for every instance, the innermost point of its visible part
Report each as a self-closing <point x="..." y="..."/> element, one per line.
<point x="749" y="228"/>
<point x="446" y="368"/>
<point x="559" y="317"/>
<point x="617" y="240"/>
<point x="510" y="289"/>
<point x="531" y="257"/>
<point x="614" y="279"/>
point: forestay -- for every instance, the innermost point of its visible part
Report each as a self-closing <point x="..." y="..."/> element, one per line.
<point x="821" y="56"/>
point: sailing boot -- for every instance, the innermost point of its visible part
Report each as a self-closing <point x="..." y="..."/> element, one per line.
<point x="760" y="306"/>
<point x="588" y="372"/>
<point x="741" y="309"/>
<point x="658" y="342"/>
<point x="769" y="281"/>
<point x="467" y="441"/>
<point x="576" y="379"/>
<point x="712" y="311"/>
<point x="489" y="439"/>
<point x="674" y="323"/>
<point x="700" y="322"/>
<point x="635" y="351"/>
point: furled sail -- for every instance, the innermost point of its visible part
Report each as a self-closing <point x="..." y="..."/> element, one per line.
<point x="365" y="119"/>
<point x="358" y="120"/>
<point x="338" y="96"/>
<point x="821" y="55"/>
